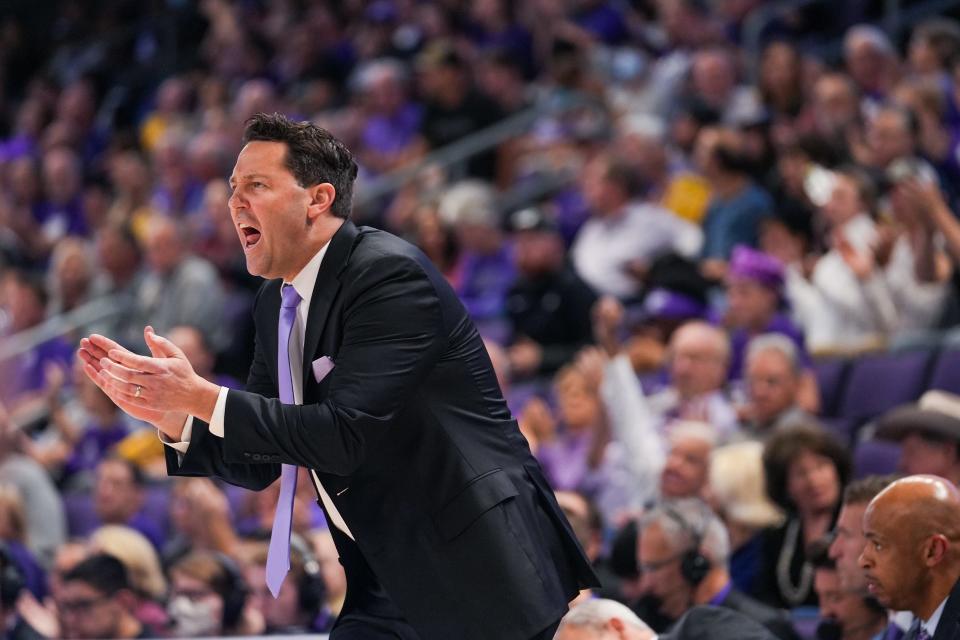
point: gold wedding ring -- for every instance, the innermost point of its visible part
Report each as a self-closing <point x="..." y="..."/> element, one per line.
<point x="136" y="394"/>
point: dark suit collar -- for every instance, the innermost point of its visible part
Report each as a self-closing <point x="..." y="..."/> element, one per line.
<point x="949" y="626"/>
<point x="325" y="290"/>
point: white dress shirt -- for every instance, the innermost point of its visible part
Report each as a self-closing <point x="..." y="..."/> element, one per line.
<point x="303" y="283"/>
<point x="934" y="621"/>
<point x="605" y="246"/>
<point x="835" y="308"/>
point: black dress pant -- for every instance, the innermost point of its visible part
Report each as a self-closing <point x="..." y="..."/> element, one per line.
<point x="368" y="612"/>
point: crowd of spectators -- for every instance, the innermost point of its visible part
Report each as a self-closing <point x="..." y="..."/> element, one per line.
<point x="702" y="226"/>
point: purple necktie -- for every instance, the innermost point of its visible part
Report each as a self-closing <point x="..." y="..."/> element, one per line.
<point x="922" y="633"/>
<point x="278" y="555"/>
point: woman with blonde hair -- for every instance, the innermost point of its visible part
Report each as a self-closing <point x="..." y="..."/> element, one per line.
<point x="142" y="562"/>
<point x="736" y="493"/>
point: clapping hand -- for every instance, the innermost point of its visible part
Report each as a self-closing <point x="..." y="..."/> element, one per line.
<point x="861" y="263"/>
<point x="162" y="389"/>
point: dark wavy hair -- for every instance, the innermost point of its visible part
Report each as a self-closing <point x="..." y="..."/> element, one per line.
<point x="313" y="156"/>
<point x="786" y="445"/>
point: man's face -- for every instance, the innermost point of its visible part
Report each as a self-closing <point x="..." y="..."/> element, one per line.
<point x="660" y="573"/>
<point x="771" y="384"/>
<point x="838" y="603"/>
<point x="601" y="194"/>
<point x="116" y="497"/>
<point x="844" y="203"/>
<point x="279" y="612"/>
<point x="892" y="559"/>
<point x="920" y="455"/>
<point x="751" y="304"/>
<point x="889" y="137"/>
<point x="834" y="104"/>
<point x="269" y="210"/>
<point x="537" y="252"/>
<point x="164" y="248"/>
<point x="697" y="365"/>
<point x="85" y="612"/>
<point x="847" y="546"/>
<point x="865" y="63"/>
<point x="686" y="468"/>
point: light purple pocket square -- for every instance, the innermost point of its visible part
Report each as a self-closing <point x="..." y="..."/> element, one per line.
<point x="321" y="367"/>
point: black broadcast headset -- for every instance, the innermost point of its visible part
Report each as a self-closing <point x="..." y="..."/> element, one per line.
<point x="311" y="587"/>
<point x="694" y="566"/>
<point x="11" y="579"/>
<point x="234" y="590"/>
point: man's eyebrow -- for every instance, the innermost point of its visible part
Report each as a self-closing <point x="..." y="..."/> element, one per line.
<point x="248" y="176"/>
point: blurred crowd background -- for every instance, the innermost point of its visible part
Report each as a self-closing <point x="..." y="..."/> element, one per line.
<point x="712" y="246"/>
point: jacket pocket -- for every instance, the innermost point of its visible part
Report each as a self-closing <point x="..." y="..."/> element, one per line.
<point x="482" y="494"/>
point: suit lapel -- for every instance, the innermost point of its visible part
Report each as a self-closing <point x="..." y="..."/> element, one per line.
<point x="949" y="626"/>
<point x="324" y="292"/>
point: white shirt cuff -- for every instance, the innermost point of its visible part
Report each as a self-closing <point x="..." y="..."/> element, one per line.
<point x="216" y="425"/>
<point x="219" y="411"/>
<point x="184" y="442"/>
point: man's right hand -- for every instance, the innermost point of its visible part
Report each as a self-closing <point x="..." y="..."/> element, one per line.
<point x="169" y="422"/>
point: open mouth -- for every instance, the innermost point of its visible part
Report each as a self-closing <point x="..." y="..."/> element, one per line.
<point x="249" y="235"/>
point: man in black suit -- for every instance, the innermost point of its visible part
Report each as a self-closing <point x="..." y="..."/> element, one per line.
<point x="683" y="552"/>
<point x="442" y="518"/>
<point x="912" y="554"/>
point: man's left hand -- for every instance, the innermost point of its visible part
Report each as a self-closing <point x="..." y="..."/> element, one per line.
<point x="164" y="382"/>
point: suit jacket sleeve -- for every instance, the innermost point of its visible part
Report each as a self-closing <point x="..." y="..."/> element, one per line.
<point x="204" y="456"/>
<point x="392" y="335"/>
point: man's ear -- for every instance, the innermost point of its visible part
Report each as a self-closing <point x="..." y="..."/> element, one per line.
<point x="935" y="549"/>
<point x="322" y="197"/>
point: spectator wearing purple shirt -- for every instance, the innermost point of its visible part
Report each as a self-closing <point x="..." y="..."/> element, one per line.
<point x="754" y="288"/>
<point x="601" y="20"/>
<point x="391" y="122"/>
<point x="25" y="376"/>
<point x="576" y="452"/>
<point x="486" y="266"/>
<point x="178" y="192"/>
<point x="493" y="26"/>
<point x="118" y="498"/>
<point x="61" y="212"/>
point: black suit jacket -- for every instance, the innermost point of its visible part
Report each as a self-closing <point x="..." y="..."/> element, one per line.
<point x="775" y="620"/>
<point x="411" y="438"/>
<point x="949" y="626"/>
<point x="706" y="622"/>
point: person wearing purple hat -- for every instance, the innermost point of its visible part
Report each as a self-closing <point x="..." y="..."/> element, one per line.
<point x="754" y="288"/>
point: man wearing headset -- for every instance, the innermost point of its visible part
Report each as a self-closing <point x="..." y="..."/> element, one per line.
<point x="683" y="553"/>
<point x="12" y="624"/>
